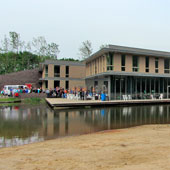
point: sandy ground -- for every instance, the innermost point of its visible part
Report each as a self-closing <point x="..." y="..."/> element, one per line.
<point x="139" y="148"/>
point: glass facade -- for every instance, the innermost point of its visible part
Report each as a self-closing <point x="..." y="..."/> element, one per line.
<point x="137" y="87"/>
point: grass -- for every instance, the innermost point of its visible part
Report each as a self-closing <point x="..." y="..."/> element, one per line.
<point x="34" y="101"/>
<point x="8" y="100"/>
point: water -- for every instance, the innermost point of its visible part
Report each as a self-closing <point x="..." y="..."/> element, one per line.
<point x="23" y="124"/>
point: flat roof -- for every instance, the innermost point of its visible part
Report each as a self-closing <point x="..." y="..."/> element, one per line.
<point x="62" y="62"/>
<point x="128" y="50"/>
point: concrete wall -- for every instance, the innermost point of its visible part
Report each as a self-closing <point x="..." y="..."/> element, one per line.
<point x="77" y="72"/>
<point x="151" y="64"/>
<point x="161" y="65"/>
<point x="142" y="62"/>
<point x="73" y="83"/>
<point x="117" y="62"/>
<point x="50" y="70"/>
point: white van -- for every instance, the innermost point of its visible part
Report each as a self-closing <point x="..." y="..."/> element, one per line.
<point x="7" y="88"/>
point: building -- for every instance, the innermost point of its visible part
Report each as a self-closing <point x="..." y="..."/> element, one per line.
<point x="65" y="74"/>
<point x="119" y="70"/>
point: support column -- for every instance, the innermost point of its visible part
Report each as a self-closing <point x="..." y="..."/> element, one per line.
<point x="120" y="93"/>
<point x="150" y="86"/>
<point x="115" y="87"/>
<point x="158" y="85"/>
<point x="163" y="85"/>
<point x="141" y="86"/>
<point x="126" y="85"/>
<point x="131" y="86"/>
<point x="109" y="87"/>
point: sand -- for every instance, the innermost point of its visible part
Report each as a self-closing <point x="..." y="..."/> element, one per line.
<point x="139" y="148"/>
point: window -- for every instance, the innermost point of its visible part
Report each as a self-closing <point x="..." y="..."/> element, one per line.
<point x="135" y="67"/>
<point x="46" y="84"/>
<point x="46" y="71"/>
<point x="110" y="62"/>
<point x="156" y="65"/>
<point x="67" y="85"/>
<point x="166" y="66"/>
<point x="56" y="83"/>
<point x="56" y="71"/>
<point x="67" y="71"/>
<point x="123" y="62"/>
<point x="95" y="83"/>
<point x="95" y="67"/>
<point x="147" y="64"/>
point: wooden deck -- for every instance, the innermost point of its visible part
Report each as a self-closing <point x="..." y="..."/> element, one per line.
<point x="55" y="102"/>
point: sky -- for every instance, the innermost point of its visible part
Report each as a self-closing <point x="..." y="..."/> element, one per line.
<point x="133" y="23"/>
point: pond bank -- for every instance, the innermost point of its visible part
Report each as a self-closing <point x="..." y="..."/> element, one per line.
<point x="144" y="147"/>
<point x="32" y="101"/>
<point x="9" y="100"/>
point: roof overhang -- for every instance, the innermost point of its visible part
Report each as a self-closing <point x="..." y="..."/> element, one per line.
<point x="128" y="50"/>
<point x="136" y="74"/>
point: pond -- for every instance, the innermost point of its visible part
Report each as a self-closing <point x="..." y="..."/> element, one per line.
<point x="27" y="124"/>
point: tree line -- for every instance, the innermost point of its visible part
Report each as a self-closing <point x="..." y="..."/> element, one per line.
<point x="17" y="55"/>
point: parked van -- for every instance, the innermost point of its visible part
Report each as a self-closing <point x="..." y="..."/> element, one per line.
<point x="7" y="88"/>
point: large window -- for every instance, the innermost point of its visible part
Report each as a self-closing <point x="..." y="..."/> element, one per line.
<point x="95" y="83"/>
<point x="147" y="64"/>
<point x="67" y="71"/>
<point x="95" y="67"/>
<point x="56" y="83"/>
<point x="166" y="66"/>
<point x="46" y="84"/>
<point x="56" y="71"/>
<point x="110" y="62"/>
<point x="67" y="85"/>
<point x="135" y="67"/>
<point x="123" y="61"/>
<point x="156" y="65"/>
<point x="46" y="71"/>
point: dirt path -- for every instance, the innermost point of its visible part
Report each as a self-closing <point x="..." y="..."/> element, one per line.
<point x="144" y="147"/>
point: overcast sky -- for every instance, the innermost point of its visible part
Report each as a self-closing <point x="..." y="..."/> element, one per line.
<point x="135" y="23"/>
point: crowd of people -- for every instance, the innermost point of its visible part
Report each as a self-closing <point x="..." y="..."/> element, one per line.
<point x="58" y="92"/>
<point x="14" y="92"/>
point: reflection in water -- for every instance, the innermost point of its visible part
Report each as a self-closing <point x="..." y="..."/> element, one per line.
<point x="22" y="125"/>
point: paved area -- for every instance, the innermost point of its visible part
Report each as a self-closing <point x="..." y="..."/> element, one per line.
<point x="55" y="102"/>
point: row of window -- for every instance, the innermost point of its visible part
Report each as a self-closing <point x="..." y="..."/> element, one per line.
<point x="57" y="71"/>
<point x="57" y="84"/>
<point x="135" y="64"/>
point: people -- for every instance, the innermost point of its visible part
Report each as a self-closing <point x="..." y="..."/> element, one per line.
<point x="78" y="93"/>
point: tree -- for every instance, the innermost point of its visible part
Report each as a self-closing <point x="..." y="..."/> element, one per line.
<point x="40" y="45"/>
<point x="86" y="49"/>
<point x="104" y="46"/>
<point x="53" y="50"/>
<point x="17" y="55"/>
<point x="14" y="41"/>
<point x="5" y="44"/>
